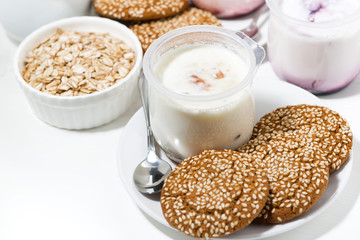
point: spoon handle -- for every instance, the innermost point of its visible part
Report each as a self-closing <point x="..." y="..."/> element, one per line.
<point x="258" y="13"/>
<point x="144" y="93"/>
<point x="253" y="27"/>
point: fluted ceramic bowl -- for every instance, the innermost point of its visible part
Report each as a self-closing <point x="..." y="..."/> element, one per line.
<point x="86" y="111"/>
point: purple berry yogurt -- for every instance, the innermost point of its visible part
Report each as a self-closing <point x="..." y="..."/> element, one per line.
<point x="315" y="44"/>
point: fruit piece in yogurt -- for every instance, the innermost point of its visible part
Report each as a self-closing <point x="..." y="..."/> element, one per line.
<point x="319" y="10"/>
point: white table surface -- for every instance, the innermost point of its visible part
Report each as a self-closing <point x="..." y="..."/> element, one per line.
<point x="61" y="184"/>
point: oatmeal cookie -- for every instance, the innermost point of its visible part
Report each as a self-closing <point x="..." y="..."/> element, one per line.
<point x="214" y="193"/>
<point x="297" y="169"/>
<point x="329" y="130"/>
<point x="139" y="9"/>
<point x="149" y="31"/>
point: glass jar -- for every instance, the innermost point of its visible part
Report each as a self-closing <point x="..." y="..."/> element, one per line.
<point x="185" y="124"/>
<point x="321" y="57"/>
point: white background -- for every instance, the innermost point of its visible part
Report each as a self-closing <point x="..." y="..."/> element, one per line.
<point x="61" y="184"/>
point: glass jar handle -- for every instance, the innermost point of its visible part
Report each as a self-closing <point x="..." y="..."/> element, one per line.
<point x="258" y="50"/>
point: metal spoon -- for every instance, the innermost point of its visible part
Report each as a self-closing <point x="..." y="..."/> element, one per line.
<point x="253" y="28"/>
<point x="150" y="174"/>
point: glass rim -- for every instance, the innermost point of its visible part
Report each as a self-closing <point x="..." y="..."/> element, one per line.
<point x="158" y="43"/>
<point x="274" y="8"/>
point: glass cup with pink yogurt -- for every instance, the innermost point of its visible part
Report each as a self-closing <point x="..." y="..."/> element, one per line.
<point x="315" y="44"/>
<point x="200" y="89"/>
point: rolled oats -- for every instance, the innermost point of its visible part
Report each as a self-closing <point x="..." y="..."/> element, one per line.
<point x="70" y="63"/>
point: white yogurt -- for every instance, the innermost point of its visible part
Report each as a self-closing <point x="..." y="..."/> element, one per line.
<point x="310" y="46"/>
<point x="185" y="127"/>
<point x="201" y="70"/>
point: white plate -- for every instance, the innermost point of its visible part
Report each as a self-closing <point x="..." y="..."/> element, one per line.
<point x="268" y="96"/>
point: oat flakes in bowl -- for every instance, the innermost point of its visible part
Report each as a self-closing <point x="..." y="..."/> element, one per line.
<point x="79" y="72"/>
<point x="71" y="63"/>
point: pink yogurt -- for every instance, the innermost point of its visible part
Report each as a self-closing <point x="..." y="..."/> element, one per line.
<point x="228" y="8"/>
<point x="315" y="43"/>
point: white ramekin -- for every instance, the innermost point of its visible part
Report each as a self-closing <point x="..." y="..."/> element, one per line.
<point x="81" y="112"/>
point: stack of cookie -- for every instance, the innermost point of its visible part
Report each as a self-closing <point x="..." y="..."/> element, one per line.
<point x="154" y="18"/>
<point x="298" y="146"/>
<point x="278" y="175"/>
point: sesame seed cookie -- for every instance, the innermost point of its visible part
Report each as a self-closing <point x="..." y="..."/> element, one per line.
<point x="214" y="193"/>
<point x="149" y="31"/>
<point x="297" y="170"/>
<point x="330" y="131"/>
<point x="139" y="9"/>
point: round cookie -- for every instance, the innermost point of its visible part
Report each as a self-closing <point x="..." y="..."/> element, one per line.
<point x="214" y="193"/>
<point x="330" y="131"/>
<point x="150" y="31"/>
<point x="139" y="9"/>
<point x="297" y="170"/>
